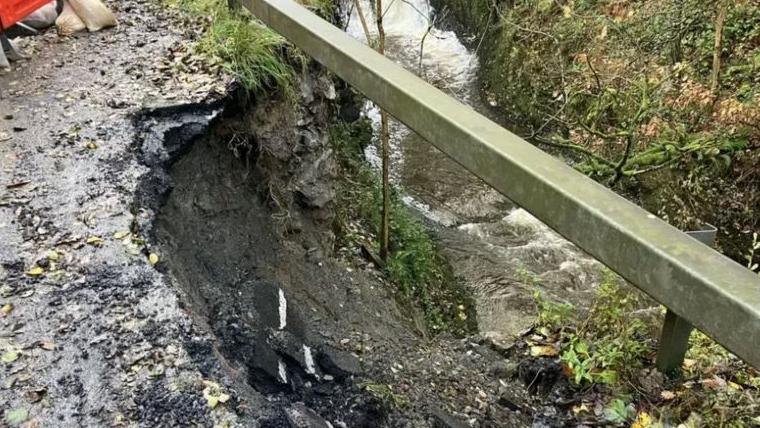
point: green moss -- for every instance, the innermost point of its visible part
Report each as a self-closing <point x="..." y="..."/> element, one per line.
<point x="423" y="277"/>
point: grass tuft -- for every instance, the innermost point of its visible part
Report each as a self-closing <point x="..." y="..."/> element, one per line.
<point x="244" y="47"/>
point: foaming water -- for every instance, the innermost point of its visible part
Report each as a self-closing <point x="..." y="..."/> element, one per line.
<point x="446" y="62"/>
<point x="501" y="251"/>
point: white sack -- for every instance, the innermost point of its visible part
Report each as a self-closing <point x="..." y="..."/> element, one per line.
<point x="94" y="14"/>
<point x="68" y="21"/>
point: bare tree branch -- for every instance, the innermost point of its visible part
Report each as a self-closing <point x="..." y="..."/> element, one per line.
<point x="566" y="144"/>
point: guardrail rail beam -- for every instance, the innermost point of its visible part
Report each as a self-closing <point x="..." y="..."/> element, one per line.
<point x="710" y="291"/>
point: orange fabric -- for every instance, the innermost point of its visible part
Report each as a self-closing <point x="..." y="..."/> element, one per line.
<point x="12" y="11"/>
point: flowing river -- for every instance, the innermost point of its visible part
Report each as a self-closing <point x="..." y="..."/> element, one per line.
<point x="501" y="252"/>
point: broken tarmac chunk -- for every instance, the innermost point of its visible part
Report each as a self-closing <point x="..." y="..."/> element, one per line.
<point x="300" y="416"/>
<point x="339" y="363"/>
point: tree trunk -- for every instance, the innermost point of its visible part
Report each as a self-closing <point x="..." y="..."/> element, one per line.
<point x="363" y="20"/>
<point x="385" y="141"/>
<point x="676" y="48"/>
<point x="720" y="23"/>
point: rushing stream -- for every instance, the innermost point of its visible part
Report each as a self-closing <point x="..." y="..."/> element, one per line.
<point x="498" y="249"/>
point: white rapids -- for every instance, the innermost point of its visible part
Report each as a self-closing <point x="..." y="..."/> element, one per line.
<point x="503" y="253"/>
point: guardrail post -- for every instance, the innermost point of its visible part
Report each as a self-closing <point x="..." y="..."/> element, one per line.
<point x="674" y="340"/>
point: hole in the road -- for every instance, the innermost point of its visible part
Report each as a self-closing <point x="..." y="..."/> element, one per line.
<point x="223" y="242"/>
<point x="216" y="233"/>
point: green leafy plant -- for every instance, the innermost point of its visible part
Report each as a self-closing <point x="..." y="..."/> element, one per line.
<point x="607" y="344"/>
<point x="587" y="366"/>
<point x="618" y="412"/>
<point x="551" y="314"/>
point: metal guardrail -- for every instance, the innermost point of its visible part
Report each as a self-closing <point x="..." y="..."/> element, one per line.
<point x="699" y="285"/>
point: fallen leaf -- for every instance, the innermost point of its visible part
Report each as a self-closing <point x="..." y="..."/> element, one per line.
<point x="9" y="357"/>
<point x="567" y="371"/>
<point x="120" y="235"/>
<point x="667" y="395"/>
<point x="543" y="351"/>
<point x="95" y="241"/>
<point x="212" y="401"/>
<point x="53" y="255"/>
<point x="47" y="345"/>
<point x="583" y="408"/>
<point x="714" y="383"/>
<point x="6" y="309"/>
<point x="689" y="363"/>
<point x="643" y="420"/>
<point x="16" y="417"/>
<point x="153" y="259"/>
<point x="35" y="271"/>
<point x="213" y="394"/>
